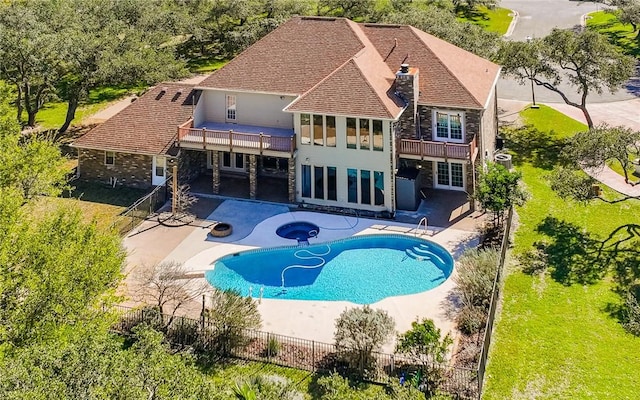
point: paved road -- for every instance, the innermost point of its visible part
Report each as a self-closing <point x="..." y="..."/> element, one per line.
<point x="536" y="19"/>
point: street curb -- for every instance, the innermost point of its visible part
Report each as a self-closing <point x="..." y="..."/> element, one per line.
<point x="512" y="25"/>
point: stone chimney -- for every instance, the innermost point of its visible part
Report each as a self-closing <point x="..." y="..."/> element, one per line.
<point x="408" y="89"/>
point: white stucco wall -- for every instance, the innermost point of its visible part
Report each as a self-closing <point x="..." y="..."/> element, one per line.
<point x="251" y="109"/>
<point x="344" y="158"/>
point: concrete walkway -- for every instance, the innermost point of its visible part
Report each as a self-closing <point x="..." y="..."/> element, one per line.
<point x="624" y="113"/>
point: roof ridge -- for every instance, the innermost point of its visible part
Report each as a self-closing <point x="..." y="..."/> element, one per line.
<point x="415" y="31"/>
<point x="368" y="82"/>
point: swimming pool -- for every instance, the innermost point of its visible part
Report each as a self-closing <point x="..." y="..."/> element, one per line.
<point x="361" y="269"/>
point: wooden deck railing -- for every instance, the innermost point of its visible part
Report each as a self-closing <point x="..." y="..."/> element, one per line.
<point x="212" y="139"/>
<point x="429" y="148"/>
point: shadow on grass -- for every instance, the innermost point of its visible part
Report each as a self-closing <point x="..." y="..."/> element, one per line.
<point x="540" y="149"/>
<point x="574" y="256"/>
<point x="104" y="194"/>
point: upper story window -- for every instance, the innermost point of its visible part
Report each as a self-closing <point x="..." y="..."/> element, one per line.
<point x="449" y="126"/>
<point x="365" y="134"/>
<point x="318" y="135"/>
<point x="231" y="107"/>
<point x="305" y="128"/>
<point x="109" y="158"/>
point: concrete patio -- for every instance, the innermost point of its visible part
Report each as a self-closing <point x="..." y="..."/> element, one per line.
<point x="254" y="224"/>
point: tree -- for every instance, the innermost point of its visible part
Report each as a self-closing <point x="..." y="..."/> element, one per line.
<point x="499" y="189"/>
<point x="228" y="316"/>
<point x="593" y="148"/>
<point x="443" y="24"/>
<point x="569" y="183"/>
<point x="54" y="269"/>
<point x="627" y="11"/>
<point x="346" y="8"/>
<point x="166" y="287"/>
<point x="424" y="344"/>
<point x="114" y="43"/>
<point x="30" y="53"/>
<point x="585" y="59"/>
<point x="360" y="332"/>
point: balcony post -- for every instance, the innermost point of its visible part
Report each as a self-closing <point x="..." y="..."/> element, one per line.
<point x="293" y="145"/>
<point x="230" y="140"/>
<point x="204" y="138"/>
<point x="422" y="146"/>
<point x="446" y="153"/>
<point x="260" y="143"/>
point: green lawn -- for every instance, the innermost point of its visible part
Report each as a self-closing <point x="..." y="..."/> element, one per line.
<point x="558" y="335"/>
<point x="621" y="35"/>
<point x="493" y="20"/>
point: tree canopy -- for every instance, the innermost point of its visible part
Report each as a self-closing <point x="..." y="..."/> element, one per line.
<point x="583" y="59"/>
<point x="499" y="189"/>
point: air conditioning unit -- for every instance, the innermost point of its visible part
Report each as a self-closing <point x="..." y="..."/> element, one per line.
<point x="504" y="160"/>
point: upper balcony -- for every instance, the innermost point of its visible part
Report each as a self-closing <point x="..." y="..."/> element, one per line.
<point x="246" y="139"/>
<point x="427" y="149"/>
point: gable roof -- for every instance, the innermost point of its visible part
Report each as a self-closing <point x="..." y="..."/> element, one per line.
<point x="291" y="59"/>
<point x="146" y="126"/>
<point x="449" y="75"/>
<point x="312" y="57"/>
<point x="360" y="87"/>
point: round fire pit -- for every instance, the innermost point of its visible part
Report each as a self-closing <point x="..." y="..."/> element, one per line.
<point x="221" y="229"/>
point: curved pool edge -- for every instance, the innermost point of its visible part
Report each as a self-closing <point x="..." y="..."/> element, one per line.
<point x="446" y="265"/>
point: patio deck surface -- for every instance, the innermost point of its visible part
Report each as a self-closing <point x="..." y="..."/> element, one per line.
<point x="254" y="226"/>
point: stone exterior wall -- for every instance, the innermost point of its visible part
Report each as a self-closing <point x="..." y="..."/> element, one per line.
<point x="472" y="122"/>
<point x="407" y="86"/>
<point x="191" y="164"/>
<point x="489" y="130"/>
<point x="132" y="170"/>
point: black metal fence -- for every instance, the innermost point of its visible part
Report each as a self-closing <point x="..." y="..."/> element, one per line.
<point x="488" y="330"/>
<point x="140" y="210"/>
<point x="299" y="353"/>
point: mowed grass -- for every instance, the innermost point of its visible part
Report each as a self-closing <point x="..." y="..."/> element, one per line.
<point x="555" y="339"/>
<point x="621" y="35"/>
<point x="96" y="202"/>
<point x="491" y="19"/>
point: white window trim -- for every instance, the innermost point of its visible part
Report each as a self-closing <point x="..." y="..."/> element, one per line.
<point x="105" y="158"/>
<point x="435" y="126"/>
<point x="449" y="186"/>
<point x="233" y="108"/>
<point x="158" y="179"/>
<point x="232" y="162"/>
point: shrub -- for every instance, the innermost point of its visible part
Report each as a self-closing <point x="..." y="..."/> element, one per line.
<point x="148" y="315"/>
<point x="183" y="331"/>
<point x="424" y="344"/>
<point x="471" y="319"/>
<point x="360" y="332"/>
<point x="632" y="312"/>
<point x="476" y="273"/>
<point x="228" y="316"/>
<point x="273" y="347"/>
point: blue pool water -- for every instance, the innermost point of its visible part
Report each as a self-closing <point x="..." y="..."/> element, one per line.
<point x="361" y="269"/>
<point x="299" y="230"/>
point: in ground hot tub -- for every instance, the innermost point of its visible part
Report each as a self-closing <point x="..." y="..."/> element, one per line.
<point x="299" y="230"/>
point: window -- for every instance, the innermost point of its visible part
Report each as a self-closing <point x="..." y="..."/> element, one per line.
<point x="331" y="131"/>
<point x="378" y="184"/>
<point x="110" y="158"/>
<point x="352" y="185"/>
<point x="306" y="181"/>
<point x="351" y="133"/>
<point x="318" y="138"/>
<point x="318" y="177"/>
<point x="226" y="159"/>
<point x="239" y="160"/>
<point x="364" y="134"/>
<point x="378" y="144"/>
<point x="233" y="161"/>
<point x="161" y="163"/>
<point x="450" y="176"/>
<point x="449" y="126"/>
<point x="365" y="187"/>
<point x="332" y="187"/>
<point x="305" y="128"/>
<point x="231" y="107"/>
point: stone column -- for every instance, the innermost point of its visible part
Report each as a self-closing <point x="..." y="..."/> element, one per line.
<point x="253" y="176"/>
<point x="291" y="179"/>
<point x="215" y="166"/>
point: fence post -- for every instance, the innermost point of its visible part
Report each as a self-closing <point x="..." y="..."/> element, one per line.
<point x="268" y="347"/>
<point x="313" y="355"/>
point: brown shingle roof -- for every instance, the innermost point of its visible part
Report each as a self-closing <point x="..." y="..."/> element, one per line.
<point x="291" y="59"/>
<point x="305" y="51"/>
<point x="449" y="75"/>
<point x="148" y="125"/>
<point x="360" y="87"/>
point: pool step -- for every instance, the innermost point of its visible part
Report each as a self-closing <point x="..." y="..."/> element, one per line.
<point x="415" y="256"/>
<point x="421" y="251"/>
